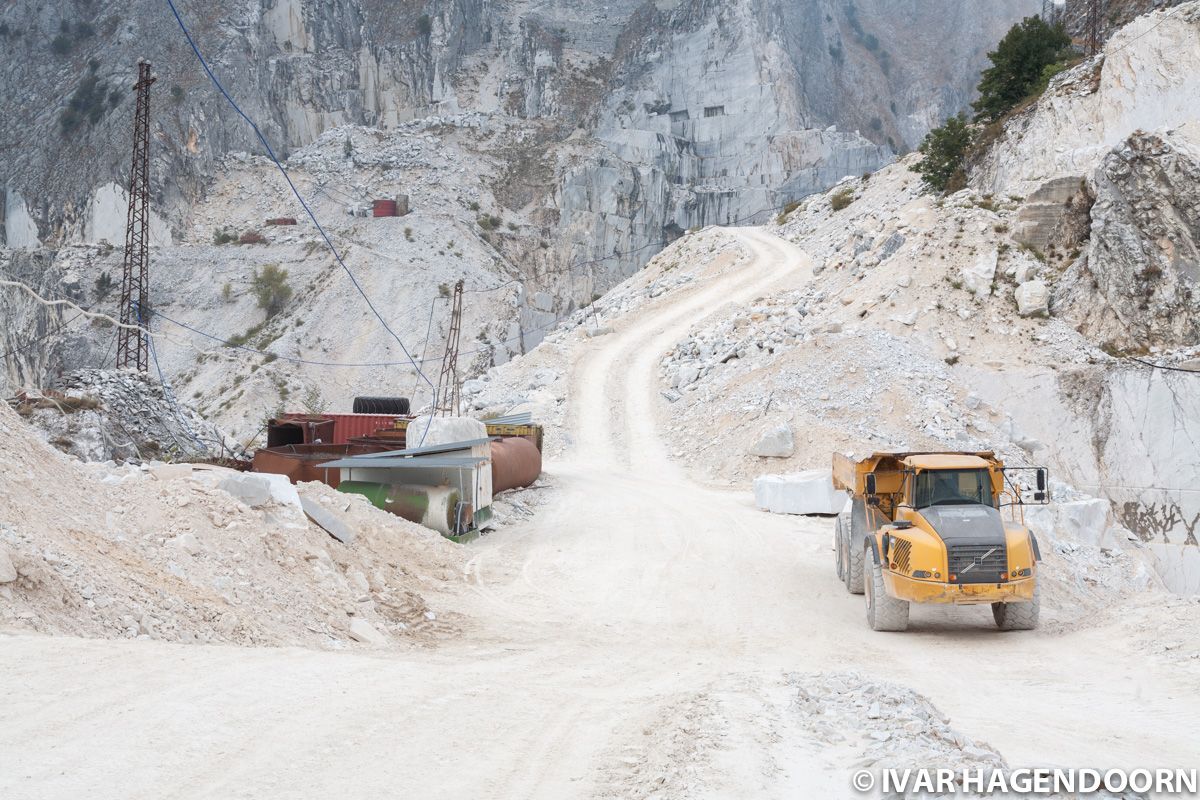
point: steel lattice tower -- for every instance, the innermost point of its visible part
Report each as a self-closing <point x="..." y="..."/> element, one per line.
<point x="448" y="400"/>
<point x="135" y="281"/>
<point x="1095" y="25"/>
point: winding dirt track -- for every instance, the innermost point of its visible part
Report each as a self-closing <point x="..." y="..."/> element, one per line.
<point x="634" y="640"/>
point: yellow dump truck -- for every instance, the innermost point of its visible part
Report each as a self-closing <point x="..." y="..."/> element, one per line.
<point x="928" y="528"/>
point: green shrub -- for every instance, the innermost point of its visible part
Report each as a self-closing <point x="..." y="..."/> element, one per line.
<point x="788" y="208"/>
<point x="944" y="150"/>
<point x="104" y="285"/>
<point x="271" y="288"/>
<point x="221" y="236"/>
<point x="87" y="104"/>
<point x="842" y="198"/>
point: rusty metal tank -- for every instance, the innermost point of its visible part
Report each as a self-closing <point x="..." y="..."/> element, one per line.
<point x="302" y="462"/>
<point x="516" y="462"/>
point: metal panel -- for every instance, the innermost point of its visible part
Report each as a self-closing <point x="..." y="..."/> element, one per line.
<point x="382" y="461"/>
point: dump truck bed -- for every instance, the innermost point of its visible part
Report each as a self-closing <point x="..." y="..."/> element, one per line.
<point x="850" y="474"/>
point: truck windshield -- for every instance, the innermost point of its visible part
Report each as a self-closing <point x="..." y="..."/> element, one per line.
<point x="953" y="487"/>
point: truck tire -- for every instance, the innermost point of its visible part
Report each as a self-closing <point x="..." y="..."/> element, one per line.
<point x="884" y="612"/>
<point x="839" y="556"/>
<point x="1018" y="616"/>
<point x="853" y="566"/>
<point x="381" y="405"/>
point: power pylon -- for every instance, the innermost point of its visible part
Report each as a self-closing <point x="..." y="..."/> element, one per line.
<point x="1094" y="25"/>
<point x="135" y="280"/>
<point x="448" y="387"/>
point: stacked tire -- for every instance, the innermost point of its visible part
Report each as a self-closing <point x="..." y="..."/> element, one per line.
<point x="381" y="405"/>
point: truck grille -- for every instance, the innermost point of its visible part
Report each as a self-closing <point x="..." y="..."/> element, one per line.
<point x="901" y="554"/>
<point x="977" y="563"/>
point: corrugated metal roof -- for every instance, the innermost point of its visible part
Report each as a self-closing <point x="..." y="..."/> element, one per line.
<point x="428" y="462"/>
<point x="524" y="418"/>
<point x="429" y="449"/>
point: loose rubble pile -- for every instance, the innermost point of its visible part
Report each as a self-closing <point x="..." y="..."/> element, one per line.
<point x="898" y="727"/>
<point x="205" y="554"/>
<point x="122" y="415"/>
<point x="910" y="296"/>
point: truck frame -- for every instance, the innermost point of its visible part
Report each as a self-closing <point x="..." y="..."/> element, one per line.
<point x="927" y="527"/>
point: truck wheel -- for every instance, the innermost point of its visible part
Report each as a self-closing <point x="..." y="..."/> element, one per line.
<point x="853" y="567"/>
<point x="884" y="612"/>
<point x="839" y="556"/>
<point x="1018" y="616"/>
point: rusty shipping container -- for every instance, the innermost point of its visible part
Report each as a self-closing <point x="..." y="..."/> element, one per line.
<point x="516" y="462"/>
<point x="383" y="208"/>
<point x="350" y="426"/>
<point x="299" y="430"/>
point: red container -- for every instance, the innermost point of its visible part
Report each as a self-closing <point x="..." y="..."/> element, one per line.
<point x="350" y="426"/>
<point x="282" y="221"/>
<point x="384" y="208"/>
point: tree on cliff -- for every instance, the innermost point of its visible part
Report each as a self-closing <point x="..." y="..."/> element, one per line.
<point x="945" y="151"/>
<point x="1017" y="66"/>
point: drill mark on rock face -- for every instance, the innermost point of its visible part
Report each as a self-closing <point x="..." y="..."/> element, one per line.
<point x="1155" y="521"/>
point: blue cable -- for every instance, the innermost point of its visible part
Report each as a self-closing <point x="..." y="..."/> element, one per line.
<point x="292" y="186"/>
<point x="162" y="380"/>
<point x="293" y="360"/>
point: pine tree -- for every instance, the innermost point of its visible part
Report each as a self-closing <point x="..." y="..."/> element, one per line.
<point x="1017" y="65"/>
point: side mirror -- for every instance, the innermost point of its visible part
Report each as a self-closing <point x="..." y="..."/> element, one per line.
<point x="871" y="486"/>
<point x="1041" y="480"/>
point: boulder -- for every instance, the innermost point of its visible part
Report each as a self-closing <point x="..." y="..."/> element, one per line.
<point x="776" y="441"/>
<point x="328" y="520"/>
<point x="808" y="492"/>
<point x="1033" y="299"/>
<point x="687" y="375"/>
<point x="170" y="472"/>
<point x="261" y="489"/>
<point x="363" y="631"/>
<point x="425" y="431"/>
<point x="251" y="488"/>
<point x="978" y="277"/>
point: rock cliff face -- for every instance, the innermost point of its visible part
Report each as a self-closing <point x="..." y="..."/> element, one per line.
<point x="716" y="108"/>
<point x="1139" y="284"/>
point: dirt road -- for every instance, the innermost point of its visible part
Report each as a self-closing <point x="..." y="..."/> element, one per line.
<point x="633" y="641"/>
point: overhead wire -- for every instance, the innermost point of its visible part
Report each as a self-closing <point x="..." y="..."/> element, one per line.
<point x="287" y="177"/>
<point x="1166" y="367"/>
